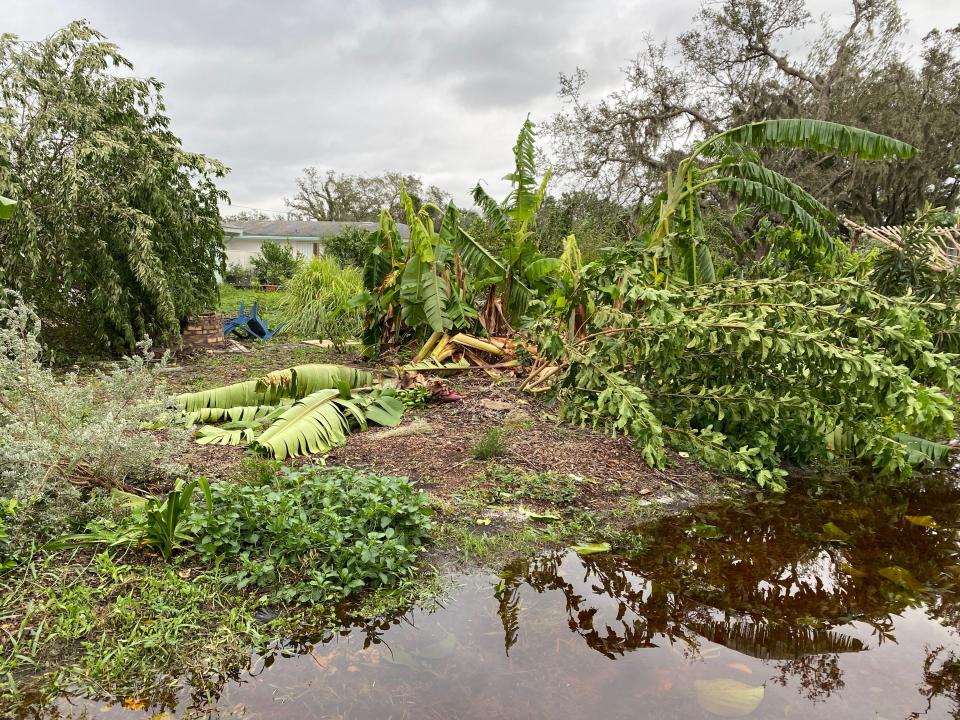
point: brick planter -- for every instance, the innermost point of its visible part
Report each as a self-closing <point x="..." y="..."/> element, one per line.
<point x="203" y="333"/>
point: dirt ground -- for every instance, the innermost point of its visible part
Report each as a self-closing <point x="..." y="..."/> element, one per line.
<point x="433" y="445"/>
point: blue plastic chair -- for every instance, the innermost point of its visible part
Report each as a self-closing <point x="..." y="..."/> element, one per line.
<point x="250" y="325"/>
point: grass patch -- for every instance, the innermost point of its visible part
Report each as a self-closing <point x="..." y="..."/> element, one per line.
<point x="547" y="487"/>
<point x="491" y="444"/>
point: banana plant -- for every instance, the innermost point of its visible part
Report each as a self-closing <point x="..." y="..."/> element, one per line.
<point x="418" y="286"/>
<point x="730" y="162"/>
<point x="522" y="272"/>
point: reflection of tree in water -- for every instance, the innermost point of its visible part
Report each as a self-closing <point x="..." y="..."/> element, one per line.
<point x="768" y="580"/>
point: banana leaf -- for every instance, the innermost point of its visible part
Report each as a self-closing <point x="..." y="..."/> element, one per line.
<point x="314" y="424"/>
<point x="213" y="435"/>
<point x="234" y="414"/>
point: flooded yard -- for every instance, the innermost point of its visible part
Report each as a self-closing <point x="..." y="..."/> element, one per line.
<point x="832" y="603"/>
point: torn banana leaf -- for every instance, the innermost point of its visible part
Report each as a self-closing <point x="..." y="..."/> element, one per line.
<point x="213" y="435"/>
<point x="292" y="383"/>
<point x="234" y="414"/>
<point x="314" y="424"/>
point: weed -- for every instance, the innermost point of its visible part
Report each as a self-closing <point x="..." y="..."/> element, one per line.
<point x="549" y="487"/>
<point x="491" y="444"/>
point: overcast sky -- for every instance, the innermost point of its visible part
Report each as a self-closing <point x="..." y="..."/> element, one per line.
<point x="429" y="87"/>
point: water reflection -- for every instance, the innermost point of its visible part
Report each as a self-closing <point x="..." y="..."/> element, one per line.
<point x="839" y="603"/>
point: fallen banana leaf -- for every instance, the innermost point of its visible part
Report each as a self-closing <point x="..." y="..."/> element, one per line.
<point x="728" y="698"/>
<point x="313" y="424"/>
<point x="213" y="415"/>
<point x="588" y="548"/>
<point x="212" y="435"/>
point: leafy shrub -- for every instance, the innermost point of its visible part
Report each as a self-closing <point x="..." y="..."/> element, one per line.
<point x="317" y="302"/>
<point x="275" y="263"/>
<point x="350" y="247"/>
<point x="492" y="443"/>
<point x="238" y="274"/>
<point x="749" y="373"/>
<point x="315" y="533"/>
<point x="60" y="436"/>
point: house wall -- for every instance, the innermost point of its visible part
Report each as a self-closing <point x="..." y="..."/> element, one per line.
<point x="241" y="249"/>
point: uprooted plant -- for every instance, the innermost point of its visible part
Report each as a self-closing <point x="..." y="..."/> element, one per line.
<point x="296" y="411"/>
<point x="747" y="374"/>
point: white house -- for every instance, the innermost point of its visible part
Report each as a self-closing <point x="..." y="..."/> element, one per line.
<point x="244" y="239"/>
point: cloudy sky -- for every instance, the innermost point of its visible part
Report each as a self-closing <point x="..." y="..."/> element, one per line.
<point x="429" y="87"/>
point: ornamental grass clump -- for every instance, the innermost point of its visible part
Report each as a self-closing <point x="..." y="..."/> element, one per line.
<point x="317" y="302"/>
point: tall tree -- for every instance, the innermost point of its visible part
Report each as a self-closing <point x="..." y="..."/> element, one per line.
<point x="732" y="68"/>
<point x="116" y="233"/>
<point x="339" y="196"/>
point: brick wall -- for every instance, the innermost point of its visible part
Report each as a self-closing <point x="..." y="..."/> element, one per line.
<point x="203" y="332"/>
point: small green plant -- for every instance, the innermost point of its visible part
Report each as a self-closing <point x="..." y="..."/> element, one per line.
<point x="7" y="509"/>
<point x="152" y="523"/>
<point x="239" y="275"/>
<point x="549" y="487"/>
<point x="314" y="534"/>
<point x="491" y="444"/>
<point x="275" y="263"/>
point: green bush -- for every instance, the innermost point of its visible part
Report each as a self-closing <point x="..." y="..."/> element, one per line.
<point x="317" y="302"/>
<point x="315" y="533"/>
<point x="61" y="435"/>
<point x="350" y="247"/>
<point x="275" y="263"/>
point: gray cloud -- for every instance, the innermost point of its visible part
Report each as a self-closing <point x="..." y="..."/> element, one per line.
<point x="433" y="87"/>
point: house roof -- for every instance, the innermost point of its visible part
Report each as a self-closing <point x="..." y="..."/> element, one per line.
<point x="305" y="229"/>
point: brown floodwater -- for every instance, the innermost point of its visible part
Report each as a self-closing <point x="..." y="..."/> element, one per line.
<point x="833" y="603"/>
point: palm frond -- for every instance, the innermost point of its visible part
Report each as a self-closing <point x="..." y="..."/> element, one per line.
<point x="816" y="135"/>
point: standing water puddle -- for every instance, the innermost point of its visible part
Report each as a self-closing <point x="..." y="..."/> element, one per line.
<point x="840" y="606"/>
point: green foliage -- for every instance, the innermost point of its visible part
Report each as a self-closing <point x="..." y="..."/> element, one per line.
<point x="316" y="533"/>
<point x="350" y="248"/>
<point x="296" y="411"/>
<point x="60" y="433"/>
<point x="749" y="373"/>
<point x="522" y="270"/>
<point x="238" y="275"/>
<point x="152" y="523"/>
<point x="417" y="288"/>
<point x="317" y="302"/>
<point x="736" y="167"/>
<point x="491" y="444"/>
<point x="275" y="263"/>
<point x="116" y="232"/>
<point x="913" y="269"/>
<point x="549" y="487"/>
